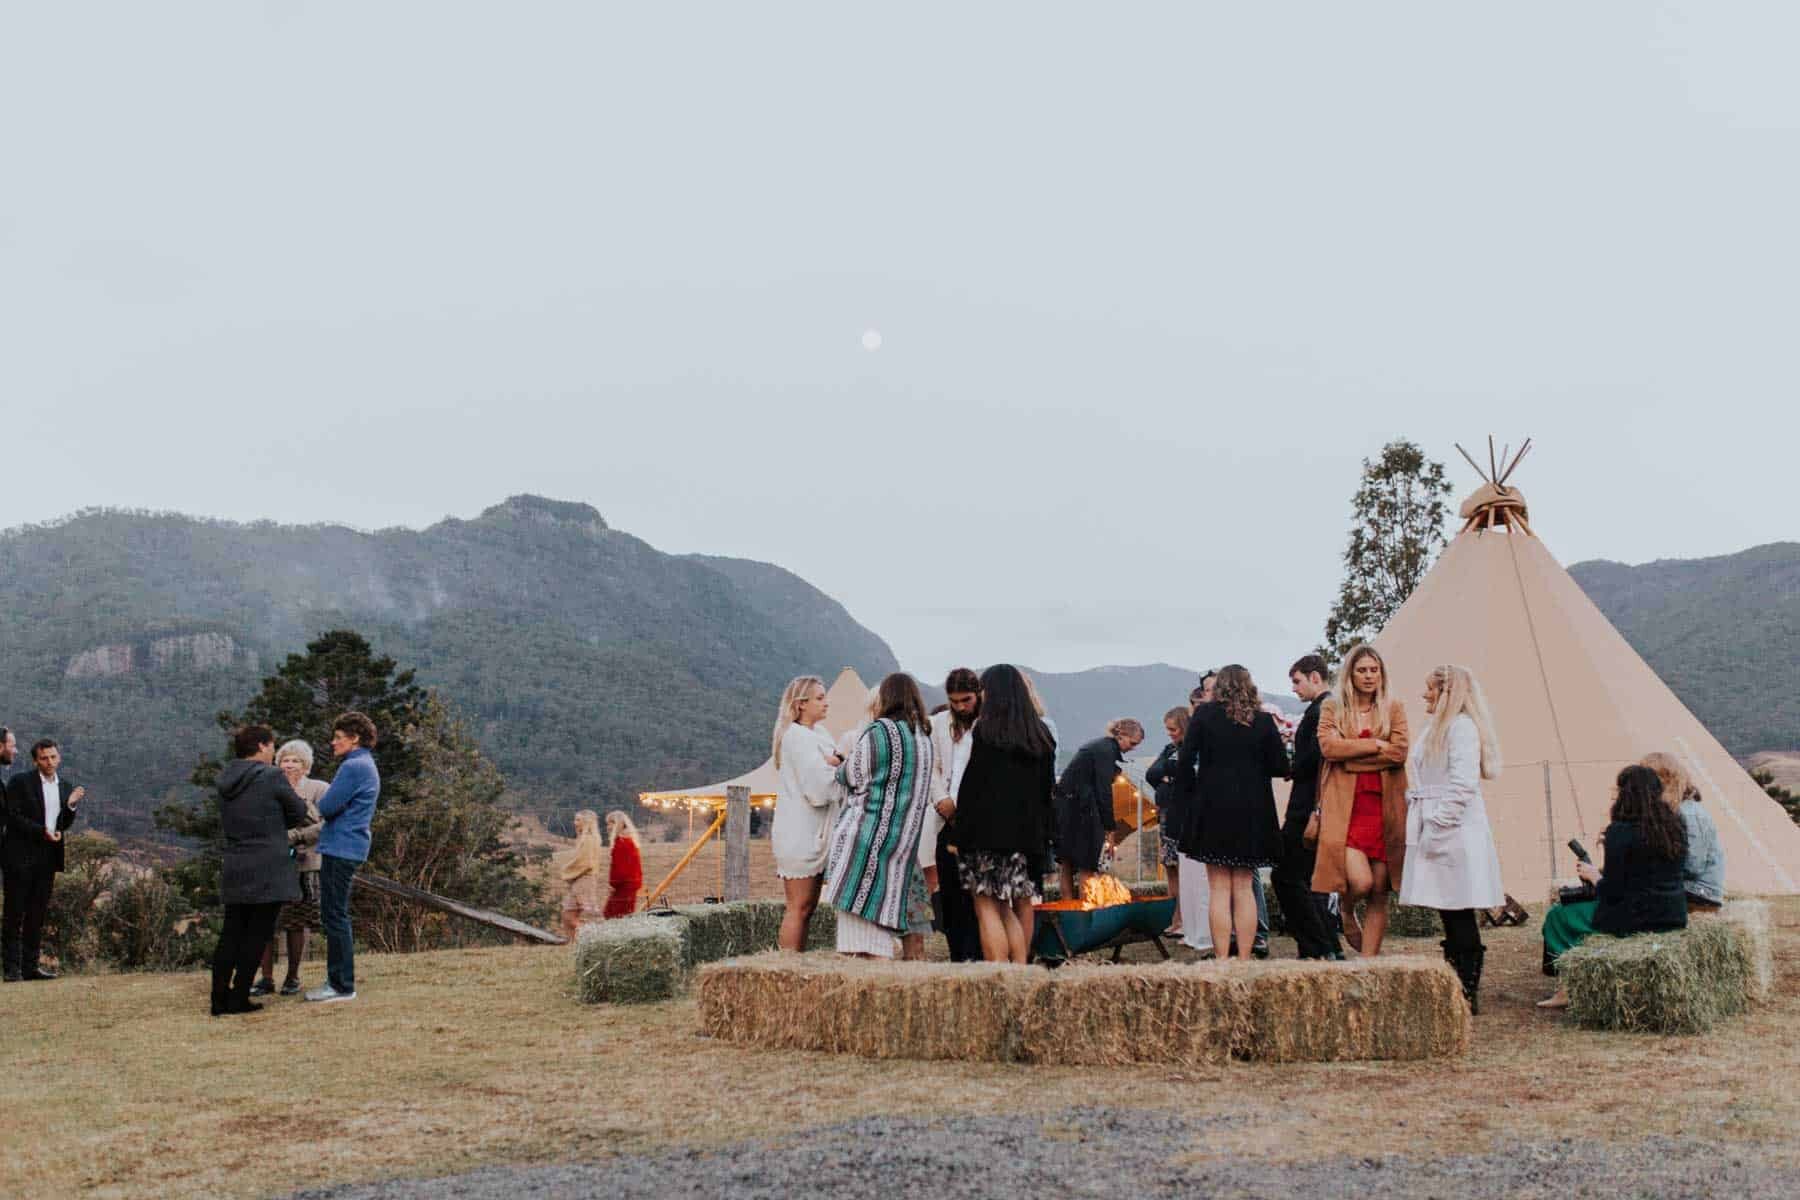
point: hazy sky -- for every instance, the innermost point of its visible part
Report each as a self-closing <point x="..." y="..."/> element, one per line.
<point x="1150" y="281"/>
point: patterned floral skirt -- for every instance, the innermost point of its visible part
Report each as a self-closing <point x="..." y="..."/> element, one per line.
<point x="997" y="873"/>
<point x="304" y="912"/>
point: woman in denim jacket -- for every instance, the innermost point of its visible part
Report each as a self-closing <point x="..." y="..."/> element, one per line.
<point x="1703" y="870"/>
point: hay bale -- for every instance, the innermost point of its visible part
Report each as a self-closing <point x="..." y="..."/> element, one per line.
<point x="1390" y="1008"/>
<point x="821" y="932"/>
<point x="1167" y="1013"/>
<point x="720" y="931"/>
<point x="1640" y="984"/>
<point x="875" y="1009"/>
<point x="1751" y="918"/>
<point x="633" y="960"/>
<point x="1686" y="981"/>
<point x="648" y="957"/>
<point x="1411" y="921"/>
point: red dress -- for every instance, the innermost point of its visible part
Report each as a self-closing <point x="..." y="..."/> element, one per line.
<point x="1366" y="830"/>
<point x="626" y="879"/>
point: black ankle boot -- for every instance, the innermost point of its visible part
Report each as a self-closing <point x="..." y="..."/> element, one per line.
<point x="1468" y="970"/>
<point x="10" y="954"/>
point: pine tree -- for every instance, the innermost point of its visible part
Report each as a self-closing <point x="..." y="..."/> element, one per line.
<point x="338" y="673"/>
<point x="1397" y="528"/>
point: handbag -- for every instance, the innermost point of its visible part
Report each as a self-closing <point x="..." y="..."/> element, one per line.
<point x="1310" y="835"/>
<point x="1576" y="895"/>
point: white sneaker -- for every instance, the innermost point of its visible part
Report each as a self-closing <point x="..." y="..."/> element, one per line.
<point x="325" y="994"/>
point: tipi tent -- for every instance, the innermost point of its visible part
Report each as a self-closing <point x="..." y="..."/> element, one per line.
<point x="1573" y="702"/>
<point x="847" y="700"/>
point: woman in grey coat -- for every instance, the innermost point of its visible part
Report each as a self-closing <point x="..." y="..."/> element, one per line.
<point x="257" y="806"/>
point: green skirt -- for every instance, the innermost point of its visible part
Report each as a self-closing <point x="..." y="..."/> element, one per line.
<point x="1567" y="926"/>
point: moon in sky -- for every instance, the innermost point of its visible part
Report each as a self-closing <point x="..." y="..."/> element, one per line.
<point x="871" y="339"/>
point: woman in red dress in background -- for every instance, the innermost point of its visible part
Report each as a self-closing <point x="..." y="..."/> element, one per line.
<point x="1362" y="797"/>
<point x="626" y="879"/>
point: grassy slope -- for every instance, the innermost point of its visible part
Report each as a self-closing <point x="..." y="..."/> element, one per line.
<point x="122" y="1086"/>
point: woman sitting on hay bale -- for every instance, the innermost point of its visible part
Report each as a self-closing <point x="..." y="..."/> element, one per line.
<point x="581" y="872"/>
<point x="1452" y="863"/>
<point x="1362" y="797"/>
<point x="871" y="864"/>
<point x="1230" y="753"/>
<point x="1640" y="890"/>
<point x="625" y="877"/>
<point x="1001" y="826"/>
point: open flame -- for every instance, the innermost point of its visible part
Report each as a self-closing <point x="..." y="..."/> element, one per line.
<point x="1104" y="891"/>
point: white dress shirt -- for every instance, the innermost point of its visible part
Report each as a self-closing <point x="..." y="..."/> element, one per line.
<point x="52" y="801"/>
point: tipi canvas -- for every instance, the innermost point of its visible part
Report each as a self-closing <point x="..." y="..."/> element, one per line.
<point x="1573" y="702"/>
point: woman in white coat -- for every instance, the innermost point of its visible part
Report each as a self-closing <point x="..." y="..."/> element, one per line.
<point x="1451" y="863"/>
<point x="806" y="792"/>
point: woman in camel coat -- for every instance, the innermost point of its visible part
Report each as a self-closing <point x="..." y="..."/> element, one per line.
<point x="1362" y="797"/>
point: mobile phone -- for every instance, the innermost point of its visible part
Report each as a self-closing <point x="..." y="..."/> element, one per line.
<point x="1579" y="850"/>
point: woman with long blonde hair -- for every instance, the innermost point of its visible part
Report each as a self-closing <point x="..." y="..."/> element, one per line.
<point x="625" y="877"/>
<point x="581" y="872"/>
<point x="1454" y="866"/>
<point x="806" y="766"/>
<point x="1363" y="740"/>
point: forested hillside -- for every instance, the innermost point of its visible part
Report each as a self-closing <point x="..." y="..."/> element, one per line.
<point x="1724" y="633"/>
<point x="594" y="664"/>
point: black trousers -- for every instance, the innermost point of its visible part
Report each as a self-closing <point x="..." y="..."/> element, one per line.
<point x="27" y="899"/>
<point x="246" y="931"/>
<point x="1460" y="929"/>
<point x="955" y="910"/>
<point x="1304" y="912"/>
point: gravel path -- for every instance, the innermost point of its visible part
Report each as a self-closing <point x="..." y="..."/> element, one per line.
<point x="1104" y="1152"/>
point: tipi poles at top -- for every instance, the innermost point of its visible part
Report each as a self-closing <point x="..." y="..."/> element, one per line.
<point x="1472" y="462"/>
<point x="1507" y="474"/>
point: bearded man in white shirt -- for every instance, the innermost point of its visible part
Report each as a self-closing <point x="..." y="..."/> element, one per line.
<point x="951" y="742"/>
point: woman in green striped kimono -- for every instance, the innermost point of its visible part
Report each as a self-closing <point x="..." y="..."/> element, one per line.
<point x="876" y="837"/>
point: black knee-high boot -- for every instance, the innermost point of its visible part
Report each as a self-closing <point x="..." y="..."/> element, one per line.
<point x="1467" y="962"/>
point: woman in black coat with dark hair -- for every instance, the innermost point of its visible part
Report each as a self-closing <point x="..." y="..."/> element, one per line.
<point x="257" y="806"/>
<point x="1230" y="754"/>
<point x="1641" y="889"/>
<point x="1001" y="823"/>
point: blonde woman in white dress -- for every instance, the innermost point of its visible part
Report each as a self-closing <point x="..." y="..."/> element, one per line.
<point x="806" y="791"/>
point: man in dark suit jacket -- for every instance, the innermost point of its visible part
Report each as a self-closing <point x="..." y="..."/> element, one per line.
<point x="1304" y="912"/>
<point x="39" y="808"/>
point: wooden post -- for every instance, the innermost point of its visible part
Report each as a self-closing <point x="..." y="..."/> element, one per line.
<point x="1550" y="818"/>
<point x="657" y="893"/>
<point x="737" y="843"/>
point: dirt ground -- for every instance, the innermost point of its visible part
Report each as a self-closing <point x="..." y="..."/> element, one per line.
<point x="123" y="1086"/>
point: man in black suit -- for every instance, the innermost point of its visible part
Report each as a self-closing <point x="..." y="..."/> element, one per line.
<point x="40" y="806"/>
<point x="1305" y="913"/>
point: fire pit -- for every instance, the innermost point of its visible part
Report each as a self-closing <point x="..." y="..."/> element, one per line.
<point x="1107" y="917"/>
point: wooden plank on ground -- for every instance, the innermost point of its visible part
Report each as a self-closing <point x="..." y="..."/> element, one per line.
<point x="481" y="916"/>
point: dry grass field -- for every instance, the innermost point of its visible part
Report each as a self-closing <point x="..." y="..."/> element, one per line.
<point x="122" y="1086"/>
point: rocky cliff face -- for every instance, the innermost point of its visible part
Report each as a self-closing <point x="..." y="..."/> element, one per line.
<point x="190" y="652"/>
